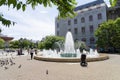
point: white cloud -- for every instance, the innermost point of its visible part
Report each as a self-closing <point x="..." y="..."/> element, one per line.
<point x="30" y="24"/>
<point x="43" y="12"/>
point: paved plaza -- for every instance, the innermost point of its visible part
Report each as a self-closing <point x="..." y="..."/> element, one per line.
<point x="26" y="69"/>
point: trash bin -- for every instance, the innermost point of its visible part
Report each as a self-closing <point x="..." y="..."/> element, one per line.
<point x="83" y="60"/>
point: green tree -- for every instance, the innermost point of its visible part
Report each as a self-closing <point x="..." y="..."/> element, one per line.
<point x="24" y="43"/>
<point x="65" y="7"/>
<point x="2" y="43"/>
<point x="41" y="45"/>
<point x="49" y="41"/>
<point x="116" y="33"/>
<point x="113" y="2"/>
<point x="82" y="46"/>
<point x="14" y="44"/>
<point x="108" y="34"/>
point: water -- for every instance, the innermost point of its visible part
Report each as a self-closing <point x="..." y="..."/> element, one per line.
<point x="69" y="50"/>
<point x="69" y="44"/>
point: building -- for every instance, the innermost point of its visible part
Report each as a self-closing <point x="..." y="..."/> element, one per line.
<point x="6" y="39"/>
<point x="114" y="12"/>
<point x="83" y="25"/>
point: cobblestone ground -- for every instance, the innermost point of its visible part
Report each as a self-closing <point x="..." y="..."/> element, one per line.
<point x="26" y="69"/>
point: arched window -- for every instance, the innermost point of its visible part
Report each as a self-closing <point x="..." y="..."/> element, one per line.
<point x="90" y="18"/>
<point x="83" y="30"/>
<point x="69" y="22"/>
<point x="75" y="30"/>
<point x="69" y="29"/>
<point x="99" y="16"/>
<point x="92" y="40"/>
<point x="83" y="39"/>
<point x="82" y="20"/>
<point x="91" y="28"/>
<point x="75" y="21"/>
<point x="57" y="25"/>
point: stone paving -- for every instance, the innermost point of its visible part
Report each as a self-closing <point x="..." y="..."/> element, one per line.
<point x="26" y="69"/>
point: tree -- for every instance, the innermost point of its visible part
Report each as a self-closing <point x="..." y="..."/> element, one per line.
<point x="65" y="7"/>
<point x="113" y="2"/>
<point x="116" y="34"/>
<point x="24" y="43"/>
<point x="14" y="44"/>
<point x="108" y="34"/>
<point x="2" y="43"/>
<point x="49" y="41"/>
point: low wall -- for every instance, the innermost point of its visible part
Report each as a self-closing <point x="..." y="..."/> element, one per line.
<point x="100" y="58"/>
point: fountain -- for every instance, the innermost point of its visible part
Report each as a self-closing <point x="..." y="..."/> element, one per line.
<point x="68" y="54"/>
<point x="69" y="50"/>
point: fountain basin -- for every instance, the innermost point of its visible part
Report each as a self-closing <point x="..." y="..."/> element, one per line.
<point x="71" y="59"/>
<point x="68" y="55"/>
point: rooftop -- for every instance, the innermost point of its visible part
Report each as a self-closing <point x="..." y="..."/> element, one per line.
<point x="89" y="5"/>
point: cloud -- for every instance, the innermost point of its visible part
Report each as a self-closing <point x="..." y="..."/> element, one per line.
<point x="31" y="24"/>
<point x="43" y="12"/>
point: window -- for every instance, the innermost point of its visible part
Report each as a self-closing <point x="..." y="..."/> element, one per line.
<point x="83" y="30"/>
<point x="83" y="39"/>
<point x="90" y="18"/>
<point x="92" y="40"/>
<point x="57" y="25"/>
<point x="57" y="33"/>
<point x="82" y="19"/>
<point x="98" y="7"/>
<point x="82" y="11"/>
<point x="86" y="6"/>
<point x="75" y="30"/>
<point x="94" y="4"/>
<point x="69" y="22"/>
<point x="75" y="21"/>
<point x="69" y="29"/>
<point x="99" y="16"/>
<point x="91" y="28"/>
<point x="89" y="9"/>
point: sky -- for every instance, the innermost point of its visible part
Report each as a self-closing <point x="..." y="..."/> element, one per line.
<point x="33" y="24"/>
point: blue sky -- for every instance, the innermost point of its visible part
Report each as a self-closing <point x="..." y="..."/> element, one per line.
<point x="33" y="24"/>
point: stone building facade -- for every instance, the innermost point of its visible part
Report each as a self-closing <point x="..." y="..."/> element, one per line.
<point x="82" y="26"/>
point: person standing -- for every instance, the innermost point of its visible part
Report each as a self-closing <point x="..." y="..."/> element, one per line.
<point x="31" y="53"/>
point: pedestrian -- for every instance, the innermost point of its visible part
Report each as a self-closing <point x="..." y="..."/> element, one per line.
<point x="31" y="53"/>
